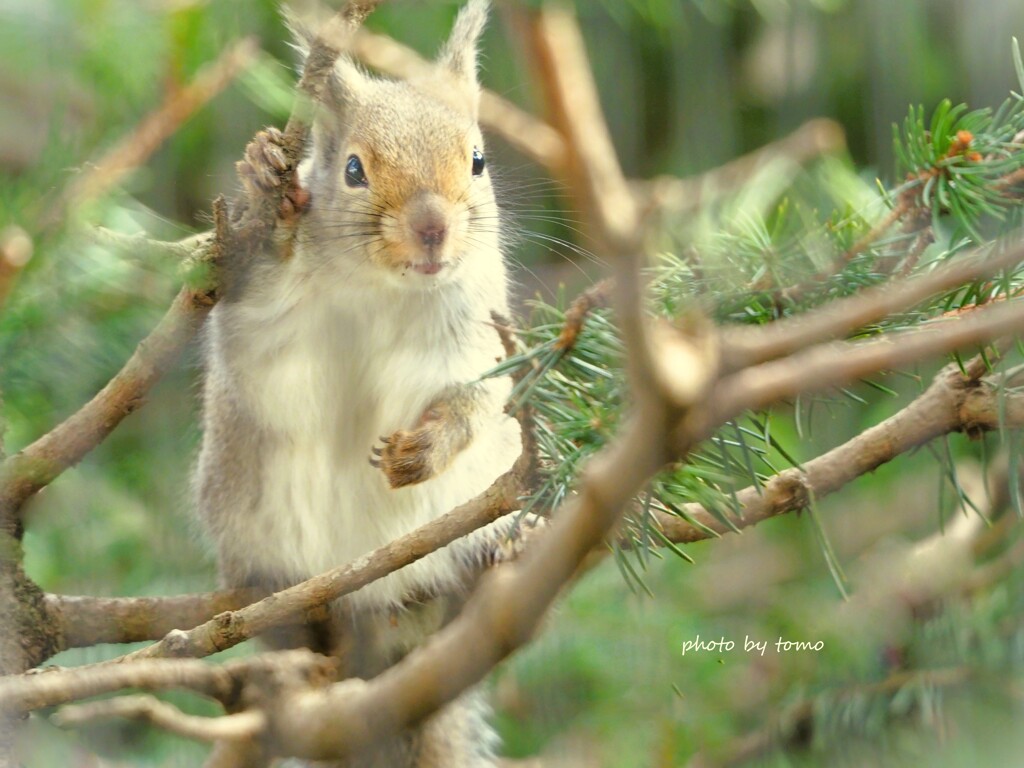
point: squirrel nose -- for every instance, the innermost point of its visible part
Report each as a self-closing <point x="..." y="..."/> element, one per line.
<point x="427" y="218"/>
<point x="432" y="234"/>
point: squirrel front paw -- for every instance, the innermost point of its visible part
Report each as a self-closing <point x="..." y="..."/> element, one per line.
<point x="412" y="456"/>
<point x="405" y="457"/>
<point x="262" y="170"/>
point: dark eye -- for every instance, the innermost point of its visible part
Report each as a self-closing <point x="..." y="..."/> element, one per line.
<point x="355" y="176"/>
<point x="478" y="162"/>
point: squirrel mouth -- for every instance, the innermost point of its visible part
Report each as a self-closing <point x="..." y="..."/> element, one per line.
<point x="428" y="267"/>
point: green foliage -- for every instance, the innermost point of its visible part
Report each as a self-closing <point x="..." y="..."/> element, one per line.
<point x="764" y="255"/>
<point x="751" y="259"/>
<point x="678" y="82"/>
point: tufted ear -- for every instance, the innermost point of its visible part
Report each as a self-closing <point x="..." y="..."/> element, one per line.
<point x="458" y="56"/>
<point x="343" y="90"/>
<point x="346" y="82"/>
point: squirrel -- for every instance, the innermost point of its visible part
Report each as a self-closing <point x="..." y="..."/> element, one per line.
<point x="343" y="403"/>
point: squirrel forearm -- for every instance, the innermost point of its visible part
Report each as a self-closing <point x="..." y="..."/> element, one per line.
<point x="444" y="430"/>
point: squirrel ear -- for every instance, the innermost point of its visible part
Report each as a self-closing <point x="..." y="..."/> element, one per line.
<point x="345" y="82"/>
<point x="343" y="88"/>
<point x="458" y="55"/>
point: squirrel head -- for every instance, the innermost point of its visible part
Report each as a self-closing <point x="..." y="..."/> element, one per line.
<point x="397" y="176"/>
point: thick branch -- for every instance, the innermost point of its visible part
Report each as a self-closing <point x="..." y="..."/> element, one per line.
<point x="49" y="688"/>
<point x="231" y="628"/>
<point x="502" y="615"/>
<point x="950" y="404"/>
<point x="506" y="609"/>
<point x="87" y="621"/>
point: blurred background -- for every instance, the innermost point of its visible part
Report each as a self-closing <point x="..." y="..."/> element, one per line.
<point x="686" y="85"/>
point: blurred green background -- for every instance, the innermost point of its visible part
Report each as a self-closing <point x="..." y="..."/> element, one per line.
<point x="686" y="85"/>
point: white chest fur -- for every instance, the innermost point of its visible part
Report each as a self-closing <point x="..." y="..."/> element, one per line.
<point x="322" y="372"/>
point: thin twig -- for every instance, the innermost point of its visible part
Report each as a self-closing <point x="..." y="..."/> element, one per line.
<point x="55" y="686"/>
<point x="235" y="727"/>
<point x="811" y="141"/>
<point x="178" y="106"/>
<point x="749" y="346"/>
<point x="594" y="297"/>
<point x="177" y="250"/>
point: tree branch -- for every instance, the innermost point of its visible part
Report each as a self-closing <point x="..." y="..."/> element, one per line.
<point x="233" y="627"/>
<point x="34" y="467"/>
<point x="670" y="195"/>
<point x="825" y="365"/>
<point x="23" y="693"/>
<point x="952" y="403"/>
<point x="749" y="346"/>
<point x="235" y="727"/>
<point x="178" y="106"/>
<point x="86" y="621"/>
<point x="178" y="250"/>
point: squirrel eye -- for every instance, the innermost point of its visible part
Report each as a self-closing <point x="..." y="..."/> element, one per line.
<point x="478" y="162"/>
<point x="355" y="176"/>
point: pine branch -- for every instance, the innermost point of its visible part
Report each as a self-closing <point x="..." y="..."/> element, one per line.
<point x="952" y="403"/>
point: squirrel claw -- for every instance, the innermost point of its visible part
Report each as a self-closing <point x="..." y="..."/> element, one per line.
<point x="405" y="457"/>
<point x="262" y="170"/>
